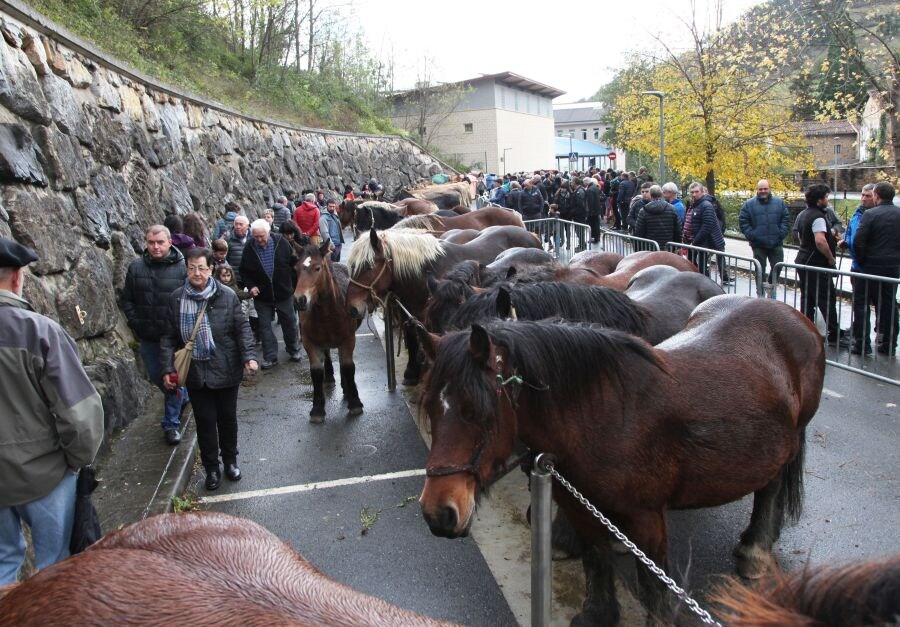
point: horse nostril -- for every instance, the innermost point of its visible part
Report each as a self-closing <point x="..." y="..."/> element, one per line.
<point x="301" y="302"/>
<point x="446" y="518"/>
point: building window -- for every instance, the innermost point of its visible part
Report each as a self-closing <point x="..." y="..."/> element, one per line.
<point x="584" y="133"/>
<point x="596" y="133"/>
<point x="559" y="132"/>
<point x="468" y="127"/>
<point x="837" y="149"/>
<point x="811" y="149"/>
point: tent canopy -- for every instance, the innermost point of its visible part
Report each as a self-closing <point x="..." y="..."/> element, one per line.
<point x="584" y="148"/>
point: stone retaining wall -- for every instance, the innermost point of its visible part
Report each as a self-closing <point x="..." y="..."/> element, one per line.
<point x="92" y="153"/>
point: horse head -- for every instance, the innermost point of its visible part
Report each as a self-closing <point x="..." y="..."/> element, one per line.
<point x="313" y="274"/>
<point x="468" y="399"/>
<point x="347" y="212"/>
<point x="446" y="295"/>
<point x="365" y="219"/>
<point x="371" y="274"/>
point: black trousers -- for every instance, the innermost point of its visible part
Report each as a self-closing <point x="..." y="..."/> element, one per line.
<point x="216" y="414"/>
<point x="817" y="291"/>
<point x="881" y="296"/>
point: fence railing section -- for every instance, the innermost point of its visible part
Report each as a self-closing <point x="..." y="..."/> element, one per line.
<point x="736" y="274"/>
<point x="562" y="237"/>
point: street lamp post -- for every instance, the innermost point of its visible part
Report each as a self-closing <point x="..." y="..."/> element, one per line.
<point x="662" y="133"/>
<point x="837" y="147"/>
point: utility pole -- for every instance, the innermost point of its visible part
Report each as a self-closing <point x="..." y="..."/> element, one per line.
<point x="662" y="134"/>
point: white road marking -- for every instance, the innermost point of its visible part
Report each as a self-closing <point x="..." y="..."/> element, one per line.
<point x="832" y="393"/>
<point x="307" y="487"/>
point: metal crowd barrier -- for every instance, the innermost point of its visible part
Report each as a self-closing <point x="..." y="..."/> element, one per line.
<point x="842" y="304"/>
<point x="625" y="244"/>
<point x="736" y="274"/>
<point x="563" y="237"/>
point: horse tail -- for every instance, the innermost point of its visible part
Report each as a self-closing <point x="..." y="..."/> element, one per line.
<point x="790" y="497"/>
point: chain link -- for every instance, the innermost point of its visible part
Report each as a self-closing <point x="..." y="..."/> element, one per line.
<point x="705" y="616"/>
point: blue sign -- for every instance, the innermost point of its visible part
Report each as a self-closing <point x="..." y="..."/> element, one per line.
<point x="573" y="156"/>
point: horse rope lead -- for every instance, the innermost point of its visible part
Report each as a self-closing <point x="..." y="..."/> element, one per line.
<point x="546" y="465"/>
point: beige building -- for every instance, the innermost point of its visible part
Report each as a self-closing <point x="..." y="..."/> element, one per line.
<point x="497" y="123"/>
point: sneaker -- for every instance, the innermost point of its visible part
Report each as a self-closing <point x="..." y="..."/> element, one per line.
<point x="885" y="350"/>
<point x="296" y="356"/>
<point x="857" y="349"/>
<point x="173" y="437"/>
<point x="266" y="364"/>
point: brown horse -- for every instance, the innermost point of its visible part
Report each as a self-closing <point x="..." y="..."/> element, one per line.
<point x="384" y="214"/>
<point x="400" y="261"/>
<point x="459" y="236"/>
<point x="319" y="294"/>
<point x="852" y="595"/>
<point x="630" y="426"/>
<point x="483" y="218"/>
<point x="601" y="262"/>
<point x="635" y="262"/>
<point x="199" y="568"/>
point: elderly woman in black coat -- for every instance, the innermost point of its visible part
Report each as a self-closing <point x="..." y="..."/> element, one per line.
<point x="223" y="351"/>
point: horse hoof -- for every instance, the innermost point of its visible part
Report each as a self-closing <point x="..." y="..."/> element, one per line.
<point x="354" y="411"/>
<point x="316" y="418"/>
<point x="754" y="562"/>
<point x="329" y="380"/>
<point x="410" y="381"/>
<point x="560" y="555"/>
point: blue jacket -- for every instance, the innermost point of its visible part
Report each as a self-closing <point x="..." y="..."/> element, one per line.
<point x="706" y="226"/>
<point x="764" y="224"/>
<point x="850" y="233"/>
<point x="679" y="209"/>
<point x="625" y="193"/>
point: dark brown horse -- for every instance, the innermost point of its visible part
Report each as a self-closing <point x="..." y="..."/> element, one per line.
<point x="384" y="214"/>
<point x="319" y="294"/>
<point x="200" y="568"/>
<point x="630" y="426"/>
<point x="600" y="261"/>
<point x="400" y="261"/>
<point x="851" y="595"/>
<point x="483" y="218"/>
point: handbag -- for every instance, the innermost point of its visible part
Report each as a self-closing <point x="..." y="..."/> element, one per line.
<point x="86" y="523"/>
<point x="184" y="355"/>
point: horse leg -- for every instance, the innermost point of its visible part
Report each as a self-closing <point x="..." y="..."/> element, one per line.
<point x="317" y="374"/>
<point x="348" y="378"/>
<point x="600" y="607"/>
<point x="648" y="532"/>
<point x="329" y="368"/>
<point x="565" y="540"/>
<point x="413" y="370"/>
<point x="780" y="498"/>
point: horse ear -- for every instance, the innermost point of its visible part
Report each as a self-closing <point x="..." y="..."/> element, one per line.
<point x="479" y="344"/>
<point x="373" y="239"/>
<point x="432" y="283"/>
<point x="428" y="342"/>
<point x="504" y="302"/>
<point x="323" y="249"/>
<point x="511" y="273"/>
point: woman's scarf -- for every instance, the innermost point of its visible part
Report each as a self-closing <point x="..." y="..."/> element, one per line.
<point x="204" y="346"/>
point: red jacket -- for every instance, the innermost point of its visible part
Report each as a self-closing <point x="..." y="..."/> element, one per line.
<point x="307" y="218"/>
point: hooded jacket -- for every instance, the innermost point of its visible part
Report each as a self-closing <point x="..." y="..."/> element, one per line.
<point x="52" y="415"/>
<point x="306" y="216"/>
<point x="148" y="287"/>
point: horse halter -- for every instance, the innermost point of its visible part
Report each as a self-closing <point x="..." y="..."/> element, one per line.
<point x="370" y="288"/>
<point x="472" y="467"/>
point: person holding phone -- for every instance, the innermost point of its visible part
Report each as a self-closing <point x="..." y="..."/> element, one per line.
<point x="223" y="352"/>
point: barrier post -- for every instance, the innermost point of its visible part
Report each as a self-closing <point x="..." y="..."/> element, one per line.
<point x="389" y="345"/>
<point x="541" y="488"/>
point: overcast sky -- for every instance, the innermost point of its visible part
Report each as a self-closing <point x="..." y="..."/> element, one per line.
<point x="561" y="44"/>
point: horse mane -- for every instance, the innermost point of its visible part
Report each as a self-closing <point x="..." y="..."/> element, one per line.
<point x="570" y="301"/>
<point x="455" y="288"/>
<point x="427" y="221"/>
<point x="376" y="204"/>
<point x="863" y="593"/>
<point x="534" y="274"/>
<point x="410" y="251"/>
<point x="559" y="364"/>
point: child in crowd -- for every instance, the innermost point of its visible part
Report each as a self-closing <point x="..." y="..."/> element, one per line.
<point x="220" y="252"/>
<point x="224" y="274"/>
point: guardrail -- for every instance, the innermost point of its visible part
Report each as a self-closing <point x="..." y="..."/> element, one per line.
<point x="563" y="237"/>
<point x="726" y="270"/>
<point x="625" y="244"/>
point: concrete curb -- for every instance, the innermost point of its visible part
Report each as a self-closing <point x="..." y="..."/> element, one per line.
<point x="177" y="473"/>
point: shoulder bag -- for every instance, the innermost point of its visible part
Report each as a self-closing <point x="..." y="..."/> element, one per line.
<point x="184" y="355"/>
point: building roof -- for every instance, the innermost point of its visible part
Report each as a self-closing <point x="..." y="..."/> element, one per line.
<point x="564" y="145"/>
<point x="813" y="128"/>
<point x="510" y="79"/>
<point x="577" y="115"/>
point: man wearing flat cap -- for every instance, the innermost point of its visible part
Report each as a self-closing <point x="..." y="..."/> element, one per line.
<point x="51" y="424"/>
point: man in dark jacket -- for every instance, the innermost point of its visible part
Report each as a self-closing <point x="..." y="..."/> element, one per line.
<point x="267" y="269"/>
<point x="707" y="232"/>
<point x="623" y="197"/>
<point x="764" y="221"/>
<point x="532" y="201"/>
<point x="636" y="204"/>
<point x="817" y="248"/>
<point x="658" y="220"/>
<point x="240" y="235"/>
<point x="593" y="198"/>
<point x="149" y="284"/>
<point x="877" y="248"/>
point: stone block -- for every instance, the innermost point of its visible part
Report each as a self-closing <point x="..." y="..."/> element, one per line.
<point x="34" y="50"/>
<point x="85" y="303"/>
<point x="61" y="157"/>
<point x="151" y="114"/>
<point x="19" y="157"/>
<point x="65" y="109"/>
<point x="123" y="390"/>
<point x="20" y="91"/>
<point x="131" y="103"/>
<point x="46" y="222"/>
<point x="105" y="94"/>
<point x="112" y="144"/>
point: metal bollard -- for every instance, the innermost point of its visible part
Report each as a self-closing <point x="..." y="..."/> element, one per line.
<point x="541" y="488"/>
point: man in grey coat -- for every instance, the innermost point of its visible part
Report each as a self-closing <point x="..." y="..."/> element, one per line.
<point x="51" y="424"/>
<point x="764" y="221"/>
